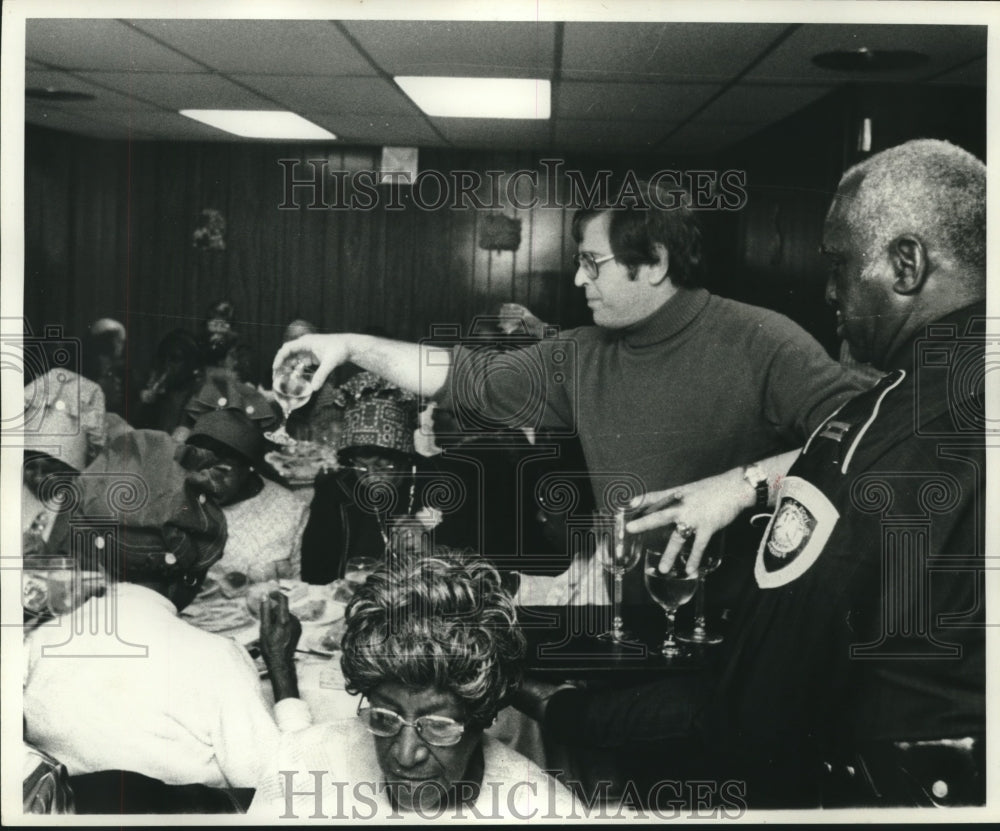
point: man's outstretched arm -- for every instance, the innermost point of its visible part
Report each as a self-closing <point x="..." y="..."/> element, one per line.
<point x="417" y="368"/>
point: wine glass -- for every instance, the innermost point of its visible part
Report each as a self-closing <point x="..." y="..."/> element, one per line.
<point x="618" y="552"/>
<point x="710" y="561"/>
<point x="292" y="386"/>
<point x="671" y="590"/>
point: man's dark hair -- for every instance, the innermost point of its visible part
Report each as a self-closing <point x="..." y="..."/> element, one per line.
<point x="635" y="228"/>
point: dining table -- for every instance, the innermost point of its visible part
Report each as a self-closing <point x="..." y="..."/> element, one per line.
<point x="562" y="647"/>
<point x="563" y="644"/>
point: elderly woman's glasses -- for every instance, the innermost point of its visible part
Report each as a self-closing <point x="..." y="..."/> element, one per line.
<point x="591" y="264"/>
<point x="439" y="731"/>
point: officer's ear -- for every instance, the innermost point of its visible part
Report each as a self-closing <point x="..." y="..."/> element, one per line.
<point x="659" y="271"/>
<point x="908" y="258"/>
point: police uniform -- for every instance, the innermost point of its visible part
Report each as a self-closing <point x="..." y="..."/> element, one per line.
<point x="855" y="671"/>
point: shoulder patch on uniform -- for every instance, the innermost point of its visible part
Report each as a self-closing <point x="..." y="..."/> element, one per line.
<point x="796" y="535"/>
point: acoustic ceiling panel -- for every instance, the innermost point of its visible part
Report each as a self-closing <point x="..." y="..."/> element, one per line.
<point x="792" y="61"/>
<point x="371" y="96"/>
<point x="630" y="102"/>
<point x="689" y="52"/>
<point x="107" y="45"/>
<point x="477" y="49"/>
<point x="177" y="92"/>
<point x="285" y="47"/>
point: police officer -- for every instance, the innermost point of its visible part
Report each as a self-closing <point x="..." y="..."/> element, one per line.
<point x="854" y="672"/>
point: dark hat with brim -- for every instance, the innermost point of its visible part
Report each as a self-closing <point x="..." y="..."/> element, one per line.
<point x="162" y="524"/>
<point x="233" y="430"/>
<point x="223" y="390"/>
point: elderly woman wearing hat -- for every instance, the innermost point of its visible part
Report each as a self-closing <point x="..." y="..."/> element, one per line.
<point x="151" y="693"/>
<point x="64" y="429"/>
<point x="354" y="508"/>
<point x="265" y="519"/>
<point x="433" y="649"/>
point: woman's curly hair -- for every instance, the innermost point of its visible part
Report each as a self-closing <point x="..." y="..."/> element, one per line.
<point x="441" y="622"/>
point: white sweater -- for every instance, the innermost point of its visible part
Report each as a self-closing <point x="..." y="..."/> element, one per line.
<point x="341" y="756"/>
<point x="154" y="695"/>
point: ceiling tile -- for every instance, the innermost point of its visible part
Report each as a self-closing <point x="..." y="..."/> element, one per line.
<point x="287" y="47"/>
<point x="502" y="132"/>
<point x="103" y="98"/>
<point x="972" y="74"/>
<point x="109" y="45"/>
<point x="165" y="125"/>
<point x="751" y="104"/>
<point x="177" y="92"/>
<point x="57" y="119"/>
<point x="635" y="102"/>
<point x="694" y="52"/>
<point x="353" y="128"/>
<point x="474" y="49"/>
<point x="707" y="138"/>
<point x="945" y="45"/>
<point x="600" y="134"/>
<point x="371" y="96"/>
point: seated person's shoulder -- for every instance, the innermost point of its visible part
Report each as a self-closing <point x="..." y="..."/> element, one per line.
<point x="507" y="767"/>
<point x="225" y="654"/>
<point x="280" y="496"/>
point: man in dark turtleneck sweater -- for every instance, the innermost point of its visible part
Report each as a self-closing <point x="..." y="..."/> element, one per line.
<point x="670" y="386"/>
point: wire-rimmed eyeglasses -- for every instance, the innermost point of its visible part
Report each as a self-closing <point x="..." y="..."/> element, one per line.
<point x="591" y="264"/>
<point x="440" y="731"/>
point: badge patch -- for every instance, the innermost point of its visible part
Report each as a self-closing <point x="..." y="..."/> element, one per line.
<point x="796" y="534"/>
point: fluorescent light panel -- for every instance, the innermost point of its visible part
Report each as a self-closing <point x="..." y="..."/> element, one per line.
<point x="479" y="97"/>
<point x="261" y="124"/>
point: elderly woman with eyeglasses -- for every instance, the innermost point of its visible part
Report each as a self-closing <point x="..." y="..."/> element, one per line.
<point x="433" y="648"/>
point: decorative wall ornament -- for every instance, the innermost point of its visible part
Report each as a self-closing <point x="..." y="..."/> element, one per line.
<point x="210" y="234"/>
<point x="499" y="233"/>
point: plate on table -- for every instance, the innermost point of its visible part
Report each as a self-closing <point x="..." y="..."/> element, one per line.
<point x="313" y="605"/>
<point x="324" y="640"/>
<point x="217" y="615"/>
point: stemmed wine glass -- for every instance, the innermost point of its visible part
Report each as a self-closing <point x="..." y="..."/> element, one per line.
<point x="710" y="561"/>
<point x="618" y="554"/>
<point x="671" y="590"/>
<point x="292" y="385"/>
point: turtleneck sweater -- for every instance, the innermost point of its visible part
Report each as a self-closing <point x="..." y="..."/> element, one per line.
<point x="702" y="385"/>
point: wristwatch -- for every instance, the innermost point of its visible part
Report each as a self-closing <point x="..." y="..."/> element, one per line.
<point x="757" y="479"/>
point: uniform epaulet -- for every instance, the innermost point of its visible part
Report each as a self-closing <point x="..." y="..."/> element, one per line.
<point x="848" y="425"/>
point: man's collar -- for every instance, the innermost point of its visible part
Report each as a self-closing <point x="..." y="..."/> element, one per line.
<point x="670" y="319"/>
<point x="904" y="356"/>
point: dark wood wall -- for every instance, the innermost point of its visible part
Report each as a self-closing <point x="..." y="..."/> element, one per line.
<point x="768" y="252"/>
<point x="108" y="229"/>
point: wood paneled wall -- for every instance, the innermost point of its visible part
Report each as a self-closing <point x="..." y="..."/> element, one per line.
<point x="108" y="229"/>
<point x="109" y="233"/>
<point x="768" y="253"/>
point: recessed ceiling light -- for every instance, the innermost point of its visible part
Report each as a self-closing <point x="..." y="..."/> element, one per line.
<point x="262" y="124"/>
<point x="479" y="97"/>
<point x="870" y="60"/>
<point x="53" y="94"/>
